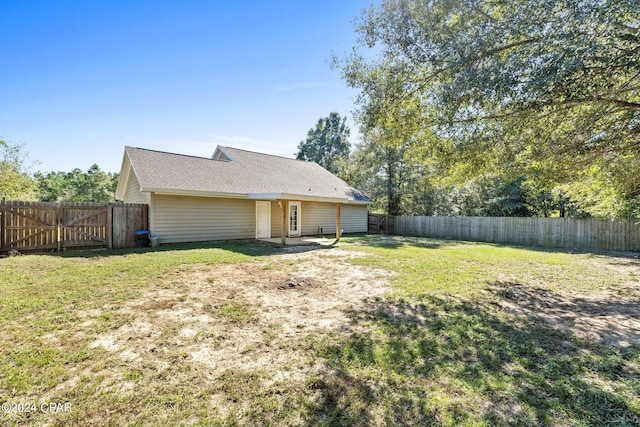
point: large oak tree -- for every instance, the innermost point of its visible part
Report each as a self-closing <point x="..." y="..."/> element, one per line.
<point x="546" y="88"/>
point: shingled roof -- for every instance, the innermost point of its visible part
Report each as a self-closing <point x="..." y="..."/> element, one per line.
<point x="232" y="172"/>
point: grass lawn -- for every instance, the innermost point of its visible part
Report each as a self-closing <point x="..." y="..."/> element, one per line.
<point x="378" y="331"/>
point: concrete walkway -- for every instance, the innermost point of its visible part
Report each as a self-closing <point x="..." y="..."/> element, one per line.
<point x="301" y="241"/>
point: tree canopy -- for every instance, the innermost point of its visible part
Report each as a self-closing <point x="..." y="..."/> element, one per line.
<point x="15" y="180"/>
<point x="327" y="144"/>
<point x="549" y="89"/>
<point x="95" y="185"/>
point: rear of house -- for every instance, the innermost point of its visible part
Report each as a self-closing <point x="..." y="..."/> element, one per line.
<point x="238" y="194"/>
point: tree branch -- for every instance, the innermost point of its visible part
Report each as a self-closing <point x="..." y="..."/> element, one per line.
<point x="619" y="102"/>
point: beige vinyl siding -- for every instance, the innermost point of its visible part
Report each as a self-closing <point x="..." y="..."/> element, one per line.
<point x="276" y="218"/>
<point x="192" y="219"/>
<point x="133" y="193"/>
<point x="353" y="218"/>
<point x="314" y="215"/>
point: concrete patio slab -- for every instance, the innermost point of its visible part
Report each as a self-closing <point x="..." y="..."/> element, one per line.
<point x="301" y="241"/>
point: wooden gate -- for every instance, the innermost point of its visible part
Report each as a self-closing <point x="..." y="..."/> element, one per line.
<point x="38" y="226"/>
<point x="29" y="225"/>
<point x="380" y="224"/>
<point x="84" y="226"/>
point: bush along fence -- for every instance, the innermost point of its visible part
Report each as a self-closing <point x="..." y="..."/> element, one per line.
<point x="545" y="232"/>
<point x="39" y="226"/>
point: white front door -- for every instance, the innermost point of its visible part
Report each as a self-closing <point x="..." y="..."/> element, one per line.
<point x="294" y="219"/>
<point x="263" y="220"/>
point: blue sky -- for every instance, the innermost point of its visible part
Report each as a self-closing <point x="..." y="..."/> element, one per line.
<point x="81" y="79"/>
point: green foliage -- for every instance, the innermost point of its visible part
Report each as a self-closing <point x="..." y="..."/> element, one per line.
<point x="15" y="181"/>
<point x="379" y="170"/>
<point x="403" y="180"/>
<point x="394" y="169"/>
<point x="493" y="196"/>
<point x="544" y="89"/>
<point x="94" y="185"/>
<point x="327" y="143"/>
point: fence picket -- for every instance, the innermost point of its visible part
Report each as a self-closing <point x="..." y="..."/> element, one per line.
<point x="38" y="226"/>
<point x="545" y="232"/>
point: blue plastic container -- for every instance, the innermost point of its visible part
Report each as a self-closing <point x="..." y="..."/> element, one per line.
<point x="142" y="238"/>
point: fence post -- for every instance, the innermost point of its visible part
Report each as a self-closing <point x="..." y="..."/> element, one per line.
<point x="109" y="230"/>
<point x="59" y="234"/>
<point x="145" y="216"/>
<point x="2" y="220"/>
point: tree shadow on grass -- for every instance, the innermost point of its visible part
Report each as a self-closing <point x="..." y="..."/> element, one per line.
<point x="627" y="258"/>
<point x="607" y="319"/>
<point x="448" y="361"/>
<point x="248" y="247"/>
<point x="396" y="242"/>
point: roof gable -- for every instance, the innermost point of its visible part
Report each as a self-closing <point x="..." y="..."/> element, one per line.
<point x="123" y="177"/>
<point x="220" y="154"/>
<point x="233" y="172"/>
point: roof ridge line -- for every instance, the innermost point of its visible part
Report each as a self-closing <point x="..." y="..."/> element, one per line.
<point x="168" y="152"/>
<point x="266" y="154"/>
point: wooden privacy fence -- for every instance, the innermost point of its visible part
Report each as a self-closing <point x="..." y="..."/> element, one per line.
<point x="380" y="224"/>
<point x="546" y="232"/>
<point x="38" y="226"/>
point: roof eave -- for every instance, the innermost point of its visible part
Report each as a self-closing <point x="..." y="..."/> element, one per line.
<point x="254" y="196"/>
<point x="200" y="193"/>
<point x="306" y="198"/>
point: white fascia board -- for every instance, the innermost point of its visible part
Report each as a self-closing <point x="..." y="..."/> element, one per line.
<point x="265" y="196"/>
<point x="286" y="196"/>
<point x="305" y="198"/>
<point x="123" y="177"/>
<point x="179" y="192"/>
<point x="358" y="202"/>
<point x="253" y="196"/>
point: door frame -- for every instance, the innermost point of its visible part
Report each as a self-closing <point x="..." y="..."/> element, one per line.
<point x="298" y="232"/>
<point x="268" y="204"/>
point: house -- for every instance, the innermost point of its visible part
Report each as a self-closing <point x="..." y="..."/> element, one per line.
<point x="238" y="194"/>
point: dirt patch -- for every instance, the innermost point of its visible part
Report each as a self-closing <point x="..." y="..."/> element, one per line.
<point x="297" y="283"/>
<point x="247" y="316"/>
<point x="602" y="316"/>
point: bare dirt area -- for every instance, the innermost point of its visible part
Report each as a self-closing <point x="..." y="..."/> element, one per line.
<point x="253" y="316"/>
<point x="609" y="316"/>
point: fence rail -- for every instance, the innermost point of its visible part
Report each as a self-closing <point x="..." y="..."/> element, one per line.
<point x="39" y="226"/>
<point x="545" y="232"/>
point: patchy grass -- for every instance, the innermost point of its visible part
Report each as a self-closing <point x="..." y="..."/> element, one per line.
<point x="52" y="308"/>
<point x="241" y="334"/>
<point x="449" y="361"/>
<point x="428" y="266"/>
<point x="236" y="312"/>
